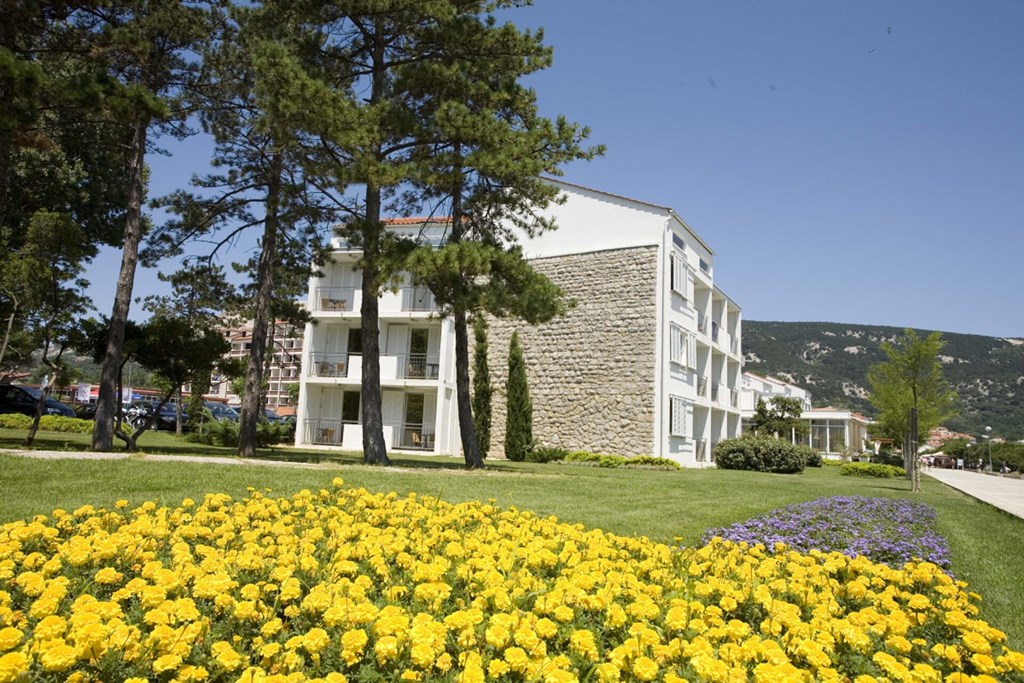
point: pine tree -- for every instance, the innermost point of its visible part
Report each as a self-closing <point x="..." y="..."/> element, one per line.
<point x="147" y="47"/>
<point x="482" y="389"/>
<point x="484" y="149"/>
<point x="518" y="408"/>
<point x="260" y="104"/>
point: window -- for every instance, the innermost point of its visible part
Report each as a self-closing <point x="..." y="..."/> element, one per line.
<point x="678" y="242"/>
<point x="677" y="409"/>
<point x="679" y="274"/>
<point x="683" y="347"/>
<point x="679" y="351"/>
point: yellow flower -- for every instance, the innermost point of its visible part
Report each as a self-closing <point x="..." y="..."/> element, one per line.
<point x="225" y="656"/>
<point x="645" y="668"/>
<point x="10" y="638"/>
<point x="166" y="663"/>
<point x="12" y="666"/>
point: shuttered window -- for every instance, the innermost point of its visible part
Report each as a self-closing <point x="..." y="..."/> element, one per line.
<point x="678" y="408"/>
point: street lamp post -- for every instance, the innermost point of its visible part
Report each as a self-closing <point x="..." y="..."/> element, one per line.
<point x="988" y="437"/>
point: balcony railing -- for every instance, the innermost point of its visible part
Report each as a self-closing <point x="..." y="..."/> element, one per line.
<point x="714" y="331"/>
<point x="326" y="432"/>
<point x="413" y="436"/>
<point x="418" y="366"/>
<point x="734" y="398"/>
<point x="734" y="346"/>
<point x="329" y="365"/>
<point x="333" y="298"/>
<point x="714" y="392"/>
<point x="418" y="299"/>
<point x="702" y="323"/>
<point x="702" y="387"/>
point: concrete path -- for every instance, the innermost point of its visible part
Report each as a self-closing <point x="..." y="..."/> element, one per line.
<point x="1005" y="493"/>
<point x="154" y="457"/>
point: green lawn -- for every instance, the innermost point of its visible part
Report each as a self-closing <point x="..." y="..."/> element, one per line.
<point x="662" y="505"/>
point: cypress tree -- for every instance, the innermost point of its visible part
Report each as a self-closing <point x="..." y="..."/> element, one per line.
<point x="519" y="409"/>
<point x="482" y="389"/>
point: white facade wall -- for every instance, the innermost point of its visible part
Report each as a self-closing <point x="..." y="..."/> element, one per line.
<point x="695" y="353"/>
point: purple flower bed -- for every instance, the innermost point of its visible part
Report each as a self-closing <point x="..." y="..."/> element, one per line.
<point x="887" y="530"/>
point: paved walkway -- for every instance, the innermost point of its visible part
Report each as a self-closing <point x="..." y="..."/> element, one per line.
<point x="1005" y="493"/>
<point x="156" y="457"/>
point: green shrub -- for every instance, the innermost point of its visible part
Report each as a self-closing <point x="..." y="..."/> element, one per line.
<point x="651" y="461"/>
<point x="225" y="433"/>
<point x="546" y="454"/>
<point x="871" y="469"/>
<point x="598" y="459"/>
<point x="15" y="421"/>
<point x="812" y="457"/>
<point x="50" y="423"/>
<point x="582" y="456"/>
<point x="759" y="454"/>
<point x="888" y="458"/>
<point x="829" y="462"/>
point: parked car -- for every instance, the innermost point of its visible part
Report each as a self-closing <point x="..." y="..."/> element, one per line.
<point x="19" y="399"/>
<point x="222" y="411"/>
<point x="85" y="411"/>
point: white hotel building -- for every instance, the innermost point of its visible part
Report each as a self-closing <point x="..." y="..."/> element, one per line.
<point x="647" y="362"/>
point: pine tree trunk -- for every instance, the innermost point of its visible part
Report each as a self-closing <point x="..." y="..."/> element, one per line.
<point x="467" y="430"/>
<point x="463" y="396"/>
<point x="375" y="450"/>
<point x="106" y="400"/>
<point x="251" y="404"/>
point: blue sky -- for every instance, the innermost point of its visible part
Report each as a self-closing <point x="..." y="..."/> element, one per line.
<point x="858" y="162"/>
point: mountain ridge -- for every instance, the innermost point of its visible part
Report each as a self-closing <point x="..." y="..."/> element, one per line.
<point x="831" y="360"/>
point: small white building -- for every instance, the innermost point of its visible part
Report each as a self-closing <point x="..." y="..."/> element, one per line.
<point x="832" y="431"/>
<point x="647" y="362"/>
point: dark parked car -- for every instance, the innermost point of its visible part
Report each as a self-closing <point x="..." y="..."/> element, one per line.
<point x="18" y="399"/>
<point x="222" y="411"/>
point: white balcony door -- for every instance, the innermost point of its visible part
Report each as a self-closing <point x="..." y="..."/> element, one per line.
<point x="335" y="338"/>
<point x="330" y="404"/>
<point x="397" y="342"/>
<point x="344" y="276"/>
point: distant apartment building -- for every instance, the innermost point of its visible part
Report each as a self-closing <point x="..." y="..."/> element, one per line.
<point x="647" y="361"/>
<point x="285" y="362"/>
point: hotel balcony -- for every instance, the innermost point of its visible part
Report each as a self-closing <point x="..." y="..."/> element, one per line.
<point x="406" y="366"/>
<point x="348" y="435"/>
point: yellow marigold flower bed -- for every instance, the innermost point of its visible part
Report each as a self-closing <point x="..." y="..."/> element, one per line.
<point x="347" y="586"/>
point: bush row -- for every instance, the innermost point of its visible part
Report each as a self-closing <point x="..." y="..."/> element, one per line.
<point x="225" y="433"/>
<point x="50" y="423"/>
<point x="545" y="454"/>
<point x="871" y="469"/>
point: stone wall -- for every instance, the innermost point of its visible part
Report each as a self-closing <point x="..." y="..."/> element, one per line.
<point x="591" y="373"/>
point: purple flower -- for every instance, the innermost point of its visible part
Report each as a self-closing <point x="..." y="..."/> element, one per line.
<point x="891" y="531"/>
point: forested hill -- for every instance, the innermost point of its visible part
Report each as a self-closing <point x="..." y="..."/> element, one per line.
<point x="831" y="360"/>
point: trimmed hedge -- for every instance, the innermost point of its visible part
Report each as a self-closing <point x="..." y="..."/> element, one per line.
<point x="871" y="469"/>
<point x="612" y="461"/>
<point x="49" y="423"/>
<point x="760" y="454"/>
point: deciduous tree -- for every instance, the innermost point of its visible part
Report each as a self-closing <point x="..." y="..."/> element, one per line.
<point x="779" y="416"/>
<point x="911" y="378"/>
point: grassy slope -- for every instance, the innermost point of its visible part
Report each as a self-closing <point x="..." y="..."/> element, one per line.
<point x="662" y="505"/>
